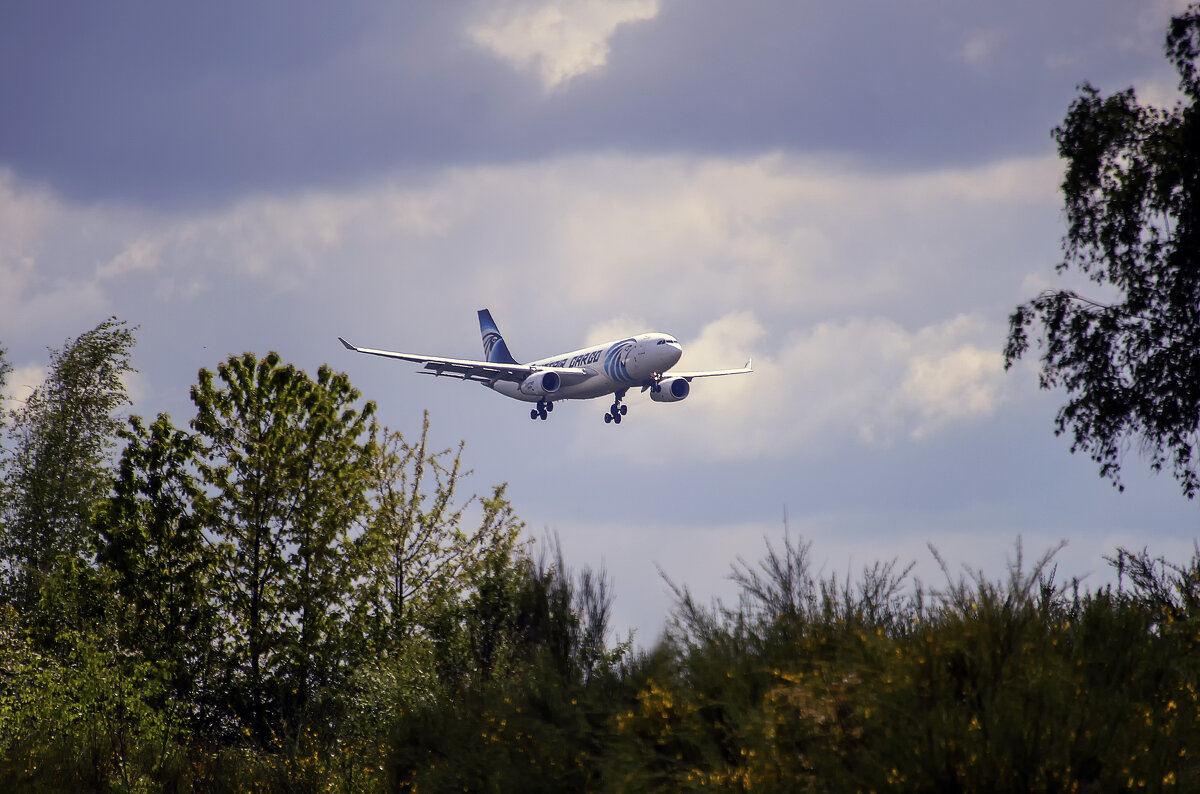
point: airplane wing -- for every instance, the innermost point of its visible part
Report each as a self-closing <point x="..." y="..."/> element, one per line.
<point x="712" y="373"/>
<point x="466" y="369"/>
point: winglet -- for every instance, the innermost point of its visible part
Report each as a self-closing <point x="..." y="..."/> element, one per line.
<point x="347" y="345"/>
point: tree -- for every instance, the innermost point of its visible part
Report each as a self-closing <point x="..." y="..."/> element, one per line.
<point x="152" y="541"/>
<point x="1130" y="366"/>
<point x="59" y="470"/>
<point x="284" y="459"/>
<point x="414" y="552"/>
<point x="5" y="369"/>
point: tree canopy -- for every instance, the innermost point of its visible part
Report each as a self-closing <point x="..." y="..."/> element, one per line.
<point x="1130" y="364"/>
<point x="62" y="437"/>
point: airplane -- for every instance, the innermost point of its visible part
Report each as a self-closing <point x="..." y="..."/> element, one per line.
<point x="611" y="368"/>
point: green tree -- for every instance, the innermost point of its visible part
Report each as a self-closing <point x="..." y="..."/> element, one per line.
<point x="1130" y="365"/>
<point x="152" y="541"/>
<point x="415" y="554"/>
<point x="92" y="720"/>
<point x="530" y="712"/>
<point x="60" y="469"/>
<point x="5" y="369"/>
<point x="285" y="461"/>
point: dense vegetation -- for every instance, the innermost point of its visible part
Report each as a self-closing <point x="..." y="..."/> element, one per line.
<point x="287" y="596"/>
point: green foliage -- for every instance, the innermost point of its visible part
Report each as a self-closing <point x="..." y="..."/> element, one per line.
<point x="92" y="721"/>
<point x="59" y="471"/>
<point x="415" y="557"/>
<point x="1130" y="366"/>
<point x="275" y="602"/>
<point x="152" y="544"/>
<point x="5" y="371"/>
<point x="1014" y="686"/>
<point x="284" y="459"/>
<point x="534" y="714"/>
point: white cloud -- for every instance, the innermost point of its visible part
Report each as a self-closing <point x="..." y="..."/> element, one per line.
<point x="861" y="380"/>
<point x="141" y="255"/>
<point x="944" y="388"/>
<point x="853" y="291"/>
<point x="24" y="211"/>
<point x="614" y="329"/>
<point x="47" y="252"/>
<point x="601" y="236"/>
<point x="557" y="40"/>
<point x="19" y="384"/>
<point x="980" y="48"/>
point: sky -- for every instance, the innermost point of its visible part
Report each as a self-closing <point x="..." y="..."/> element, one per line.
<point x="855" y="194"/>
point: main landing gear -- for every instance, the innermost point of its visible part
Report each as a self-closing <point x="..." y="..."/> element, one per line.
<point x="617" y="410"/>
<point x="543" y="407"/>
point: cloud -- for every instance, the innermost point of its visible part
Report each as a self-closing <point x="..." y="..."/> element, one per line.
<point x="21" y="383"/>
<point x="47" y="247"/>
<point x="868" y="300"/>
<point x="24" y="211"/>
<point x="180" y="107"/>
<point x="980" y="48"/>
<point x="614" y="329"/>
<point x="559" y="41"/>
<point x="866" y="381"/>
<point x="951" y="384"/>
<point x="141" y="255"/>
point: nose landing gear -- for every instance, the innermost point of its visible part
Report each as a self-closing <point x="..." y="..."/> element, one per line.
<point x="544" y="407"/>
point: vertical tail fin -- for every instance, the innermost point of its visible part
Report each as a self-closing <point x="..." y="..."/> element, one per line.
<point x="494" y="349"/>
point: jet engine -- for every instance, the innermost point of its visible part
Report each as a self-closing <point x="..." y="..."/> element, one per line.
<point x="670" y="390"/>
<point x="541" y="384"/>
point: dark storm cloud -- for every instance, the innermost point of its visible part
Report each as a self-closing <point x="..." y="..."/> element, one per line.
<point x="162" y="102"/>
<point x="884" y="81"/>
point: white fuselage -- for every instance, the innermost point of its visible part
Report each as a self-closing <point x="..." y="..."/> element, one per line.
<point x="609" y="368"/>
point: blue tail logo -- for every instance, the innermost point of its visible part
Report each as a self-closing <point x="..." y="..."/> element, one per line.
<point x="494" y="349"/>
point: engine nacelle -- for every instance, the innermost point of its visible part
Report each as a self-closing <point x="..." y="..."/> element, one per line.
<point x="541" y="384"/>
<point x="670" y="390"/>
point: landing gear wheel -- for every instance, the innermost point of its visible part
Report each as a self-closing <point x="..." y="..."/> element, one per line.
<point x="533" y="414"/>
<point x="542" y="414"/>
<point x="549" y="406"/>
<point x="617" y="410"/>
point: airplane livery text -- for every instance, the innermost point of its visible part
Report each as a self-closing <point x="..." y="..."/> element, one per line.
<point x="578" y="361"/>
